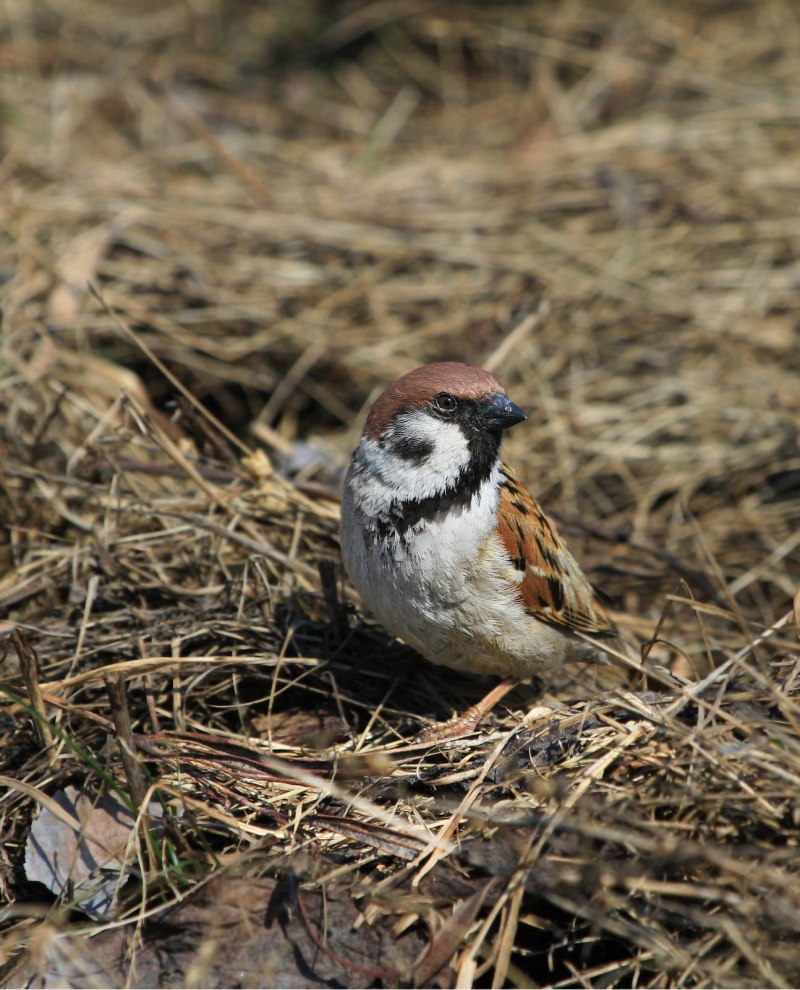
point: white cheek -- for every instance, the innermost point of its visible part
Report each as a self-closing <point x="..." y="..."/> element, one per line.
<point x="449" y="456"/>
<point x="450" y="453"/>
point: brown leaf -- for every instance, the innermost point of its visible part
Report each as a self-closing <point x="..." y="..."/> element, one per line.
<point x="87" y="849"/>
<point x="447" y="940"/>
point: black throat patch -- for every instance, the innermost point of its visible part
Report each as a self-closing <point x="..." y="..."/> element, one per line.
<point x="484" y="448"/>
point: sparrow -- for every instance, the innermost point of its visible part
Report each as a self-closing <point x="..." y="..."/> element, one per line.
<point x="449" y="550"/>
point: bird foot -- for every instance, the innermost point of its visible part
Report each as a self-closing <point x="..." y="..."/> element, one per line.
<point x="453" y="728"/>
<point x="462" y="725"/>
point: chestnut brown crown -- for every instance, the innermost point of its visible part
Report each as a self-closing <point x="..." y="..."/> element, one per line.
<point x="419" y="386"/>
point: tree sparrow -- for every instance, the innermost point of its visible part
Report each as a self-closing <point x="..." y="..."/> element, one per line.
<point x="448" y="550"/>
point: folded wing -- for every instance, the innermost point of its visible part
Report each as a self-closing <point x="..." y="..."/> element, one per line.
<point x="553" y="588"/>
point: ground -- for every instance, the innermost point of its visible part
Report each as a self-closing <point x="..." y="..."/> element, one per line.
<point x="226" y="225"/>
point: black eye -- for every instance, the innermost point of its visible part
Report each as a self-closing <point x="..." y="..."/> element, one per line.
<point x="445" y="403"/>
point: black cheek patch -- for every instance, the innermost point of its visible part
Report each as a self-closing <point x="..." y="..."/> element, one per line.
<point x="413" y="449"/>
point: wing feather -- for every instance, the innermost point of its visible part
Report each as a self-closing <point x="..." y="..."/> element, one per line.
<point x="553" y="588"/>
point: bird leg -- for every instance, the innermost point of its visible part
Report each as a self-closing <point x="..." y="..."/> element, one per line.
<point x="465" y="723"/>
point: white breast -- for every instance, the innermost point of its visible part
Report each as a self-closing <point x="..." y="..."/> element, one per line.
<point x="446" y="586"/>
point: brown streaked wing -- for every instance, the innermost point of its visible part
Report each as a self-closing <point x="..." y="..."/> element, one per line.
<point x="554" y="589"/>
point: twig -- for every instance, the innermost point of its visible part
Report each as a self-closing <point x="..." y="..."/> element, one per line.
<point x="29" y="665"/>
<point x="137" y="779"/>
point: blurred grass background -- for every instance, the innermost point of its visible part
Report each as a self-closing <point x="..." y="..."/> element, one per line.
<point x="292" y="203"/>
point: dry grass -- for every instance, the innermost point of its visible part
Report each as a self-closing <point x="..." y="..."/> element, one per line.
<point x="281" y="207"/>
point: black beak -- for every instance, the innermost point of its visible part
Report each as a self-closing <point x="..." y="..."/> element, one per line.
<point x="501" y="413"/>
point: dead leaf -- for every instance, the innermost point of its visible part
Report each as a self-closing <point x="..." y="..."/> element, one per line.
<point x="448" y="938"/>
<point x="90" y="861"/>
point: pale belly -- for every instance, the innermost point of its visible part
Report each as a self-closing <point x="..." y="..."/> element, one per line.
<point x="462" y="611"/>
